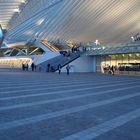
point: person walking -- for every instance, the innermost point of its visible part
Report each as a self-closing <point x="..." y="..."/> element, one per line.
<point x="68" y="69"/>
<point x="109" y="70"/>
<point x="112" y="70"/>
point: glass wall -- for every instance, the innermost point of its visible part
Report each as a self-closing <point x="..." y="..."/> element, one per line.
<point x="14" y="62"/>
<point x="120" y="62"/>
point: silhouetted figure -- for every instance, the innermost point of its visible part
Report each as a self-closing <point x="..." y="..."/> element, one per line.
<point x="72" y="49"/>
<point x="32" y="66"/>
<point x="48" y="68"/>
<point x="112" y="70"/>
<point x="68" y="53"/>
<point x="23" y="67"/>
<point x="52" y="69"/>
<point x="59" y="68"/>
<point x="109" y="70"/>
<point x="68" y="69"/>
<point x="27" y="67"/>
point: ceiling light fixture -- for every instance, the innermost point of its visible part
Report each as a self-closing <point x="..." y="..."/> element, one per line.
<point x="23" y="1"/>
<point x="17" y="10"/>
<point x="132" y="38"/>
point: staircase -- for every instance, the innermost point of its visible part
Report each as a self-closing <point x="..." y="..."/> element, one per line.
<point x="58" y="60"/>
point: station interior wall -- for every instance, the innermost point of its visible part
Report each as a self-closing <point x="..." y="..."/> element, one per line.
<point x="82" y="64"/>
<point x="119" y="61"/>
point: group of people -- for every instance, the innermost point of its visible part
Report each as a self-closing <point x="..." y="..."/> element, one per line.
<point x="65" y="53"/>
<point x="59" y="67"/>
<point x="50" y="68"/>
<point x="74" y="49"/>
<point x="109" y="70"/>
<point x="25" y="67"/>
<point x="68" y="53"/>
<point x="67" y="69"/>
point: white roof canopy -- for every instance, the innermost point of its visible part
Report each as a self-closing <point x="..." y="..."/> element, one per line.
<point x="7" y="9"/>
<point x="108" y="21"/>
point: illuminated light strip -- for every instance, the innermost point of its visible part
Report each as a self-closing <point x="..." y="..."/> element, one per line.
<point x="13" y="61"/>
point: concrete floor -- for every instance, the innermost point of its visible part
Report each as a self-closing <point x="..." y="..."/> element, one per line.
<point x="81" y="106"/>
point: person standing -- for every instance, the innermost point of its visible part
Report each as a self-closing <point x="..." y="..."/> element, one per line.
<point x="23" y="67"/>
<point x="68" y="69"/>
<point x="32" y="66"/>
<point x="112" y="70"/>
<point x="59" y="68"/>
<point x="48" y="67"/>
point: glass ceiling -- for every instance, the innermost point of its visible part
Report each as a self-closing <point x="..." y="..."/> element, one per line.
<point x="109" y="21"/>
<point x="7" y="9"/>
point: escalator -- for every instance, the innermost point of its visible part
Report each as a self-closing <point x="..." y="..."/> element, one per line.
<point x="58" y="60"/>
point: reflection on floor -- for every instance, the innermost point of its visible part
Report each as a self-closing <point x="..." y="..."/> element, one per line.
<point x="79" y="106"/>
